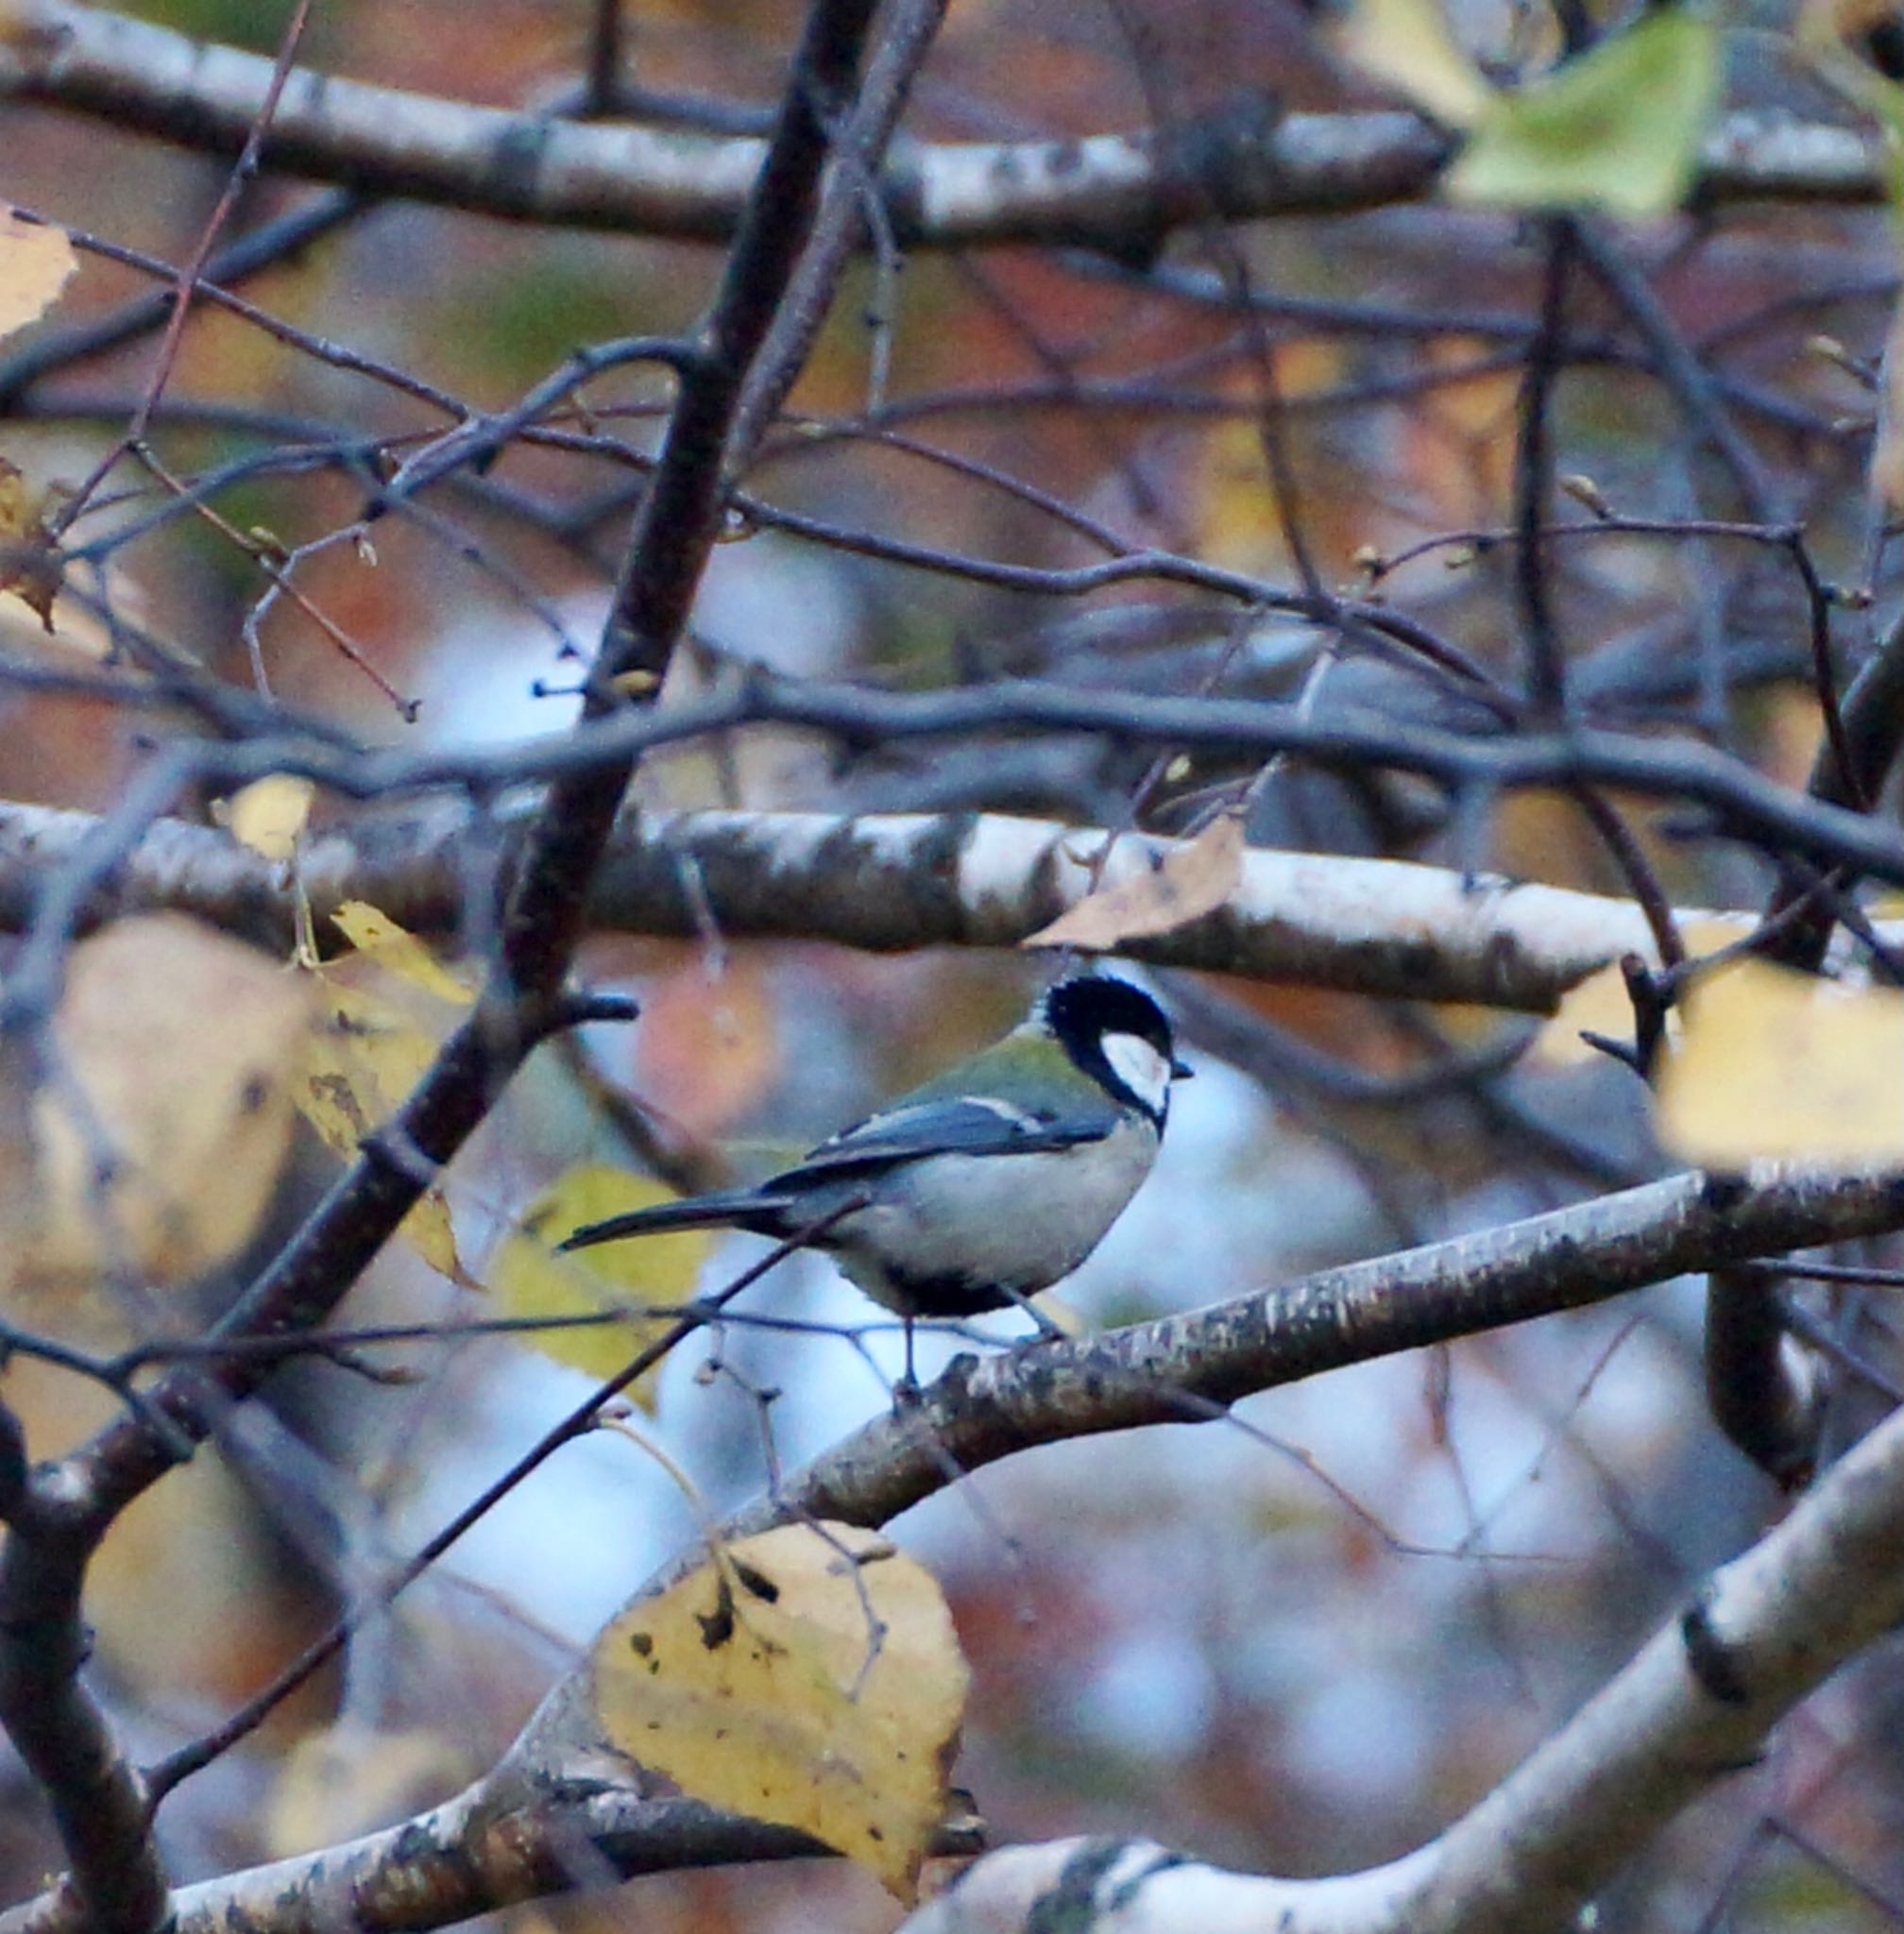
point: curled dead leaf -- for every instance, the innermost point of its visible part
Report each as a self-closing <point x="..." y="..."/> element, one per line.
<point x="1194" y="878"/>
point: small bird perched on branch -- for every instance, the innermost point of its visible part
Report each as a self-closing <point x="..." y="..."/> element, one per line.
<point x="983" y="1185"/>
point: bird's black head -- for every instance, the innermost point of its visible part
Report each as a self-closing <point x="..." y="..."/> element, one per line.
<point x="1118" y="1035"/>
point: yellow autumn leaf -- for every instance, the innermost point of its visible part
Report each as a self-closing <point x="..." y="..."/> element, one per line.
<point x="1407" y="45"/>
<point x="379" y="937"/>
<point x="375" y="1043"/>
<point x="152" y="1141"/>
<point x="1778" y="1064"/>
<point x="1195" y="877"/>
<point x="36" y="258"/>
<point x="1619" y="126"/>
<point x="1601" y="1004"/>
<point x="363" y="1059"/>
<point x="269" y="814"/>
<point x="809" y="1676"/>
<point x="528" y="1279"/>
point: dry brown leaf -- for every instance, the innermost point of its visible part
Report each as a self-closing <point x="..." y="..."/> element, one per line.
<point x="154" y="1141"/>
<point x="1193" y="879"/>
<point x="1778" y="1064"/>
<point x="809" y="1676"/>
<point x="36" y="258"/>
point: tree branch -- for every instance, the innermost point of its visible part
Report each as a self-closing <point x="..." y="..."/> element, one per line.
<point x="888" y="882"/>
<point x="1115" y="192"/>
<point x="1692" y="1710"/>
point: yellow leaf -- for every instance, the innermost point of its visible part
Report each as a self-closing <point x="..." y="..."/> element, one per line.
<point x="1407" y="45"/>
<point x="155" y="1140"/>
<point x="362" y="1062"/>
<point x="528" y="1279"/>
<point x="1601" y="1004"/>
<point x="36" y="258"/>
<point x="373" y="1048"/>
<point x="1194" y="879"/>
<point x="1776" y="1064"/>
<point x="31" y="565"/>
<point x="810" y="1677"/>
<point x="376" y="936"/>
<point x="268" y="815"/>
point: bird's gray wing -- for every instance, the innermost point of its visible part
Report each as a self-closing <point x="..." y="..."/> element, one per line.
<point x="960" y="1126"/>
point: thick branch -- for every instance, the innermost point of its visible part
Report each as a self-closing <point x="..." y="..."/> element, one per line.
<point x="1111" y="191"/>
<point x="1183" y="1368"/>
<point x="463" y="1860"/>
<point x="1692" y="1710"/>
<point x="891" y="882"/>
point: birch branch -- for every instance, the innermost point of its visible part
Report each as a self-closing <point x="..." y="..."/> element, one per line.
<point x="886" y="882"/>
<point x="1692" y="1710"/>
<point x="1115" y="191"/>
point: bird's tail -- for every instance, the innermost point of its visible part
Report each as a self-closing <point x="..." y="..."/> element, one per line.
<point x="738" y="1208"/>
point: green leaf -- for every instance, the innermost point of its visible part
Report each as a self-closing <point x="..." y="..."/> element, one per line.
<point x="1618" y="128"/>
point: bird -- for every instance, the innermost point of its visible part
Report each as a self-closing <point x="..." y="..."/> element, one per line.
<point x="983" y="1185"/>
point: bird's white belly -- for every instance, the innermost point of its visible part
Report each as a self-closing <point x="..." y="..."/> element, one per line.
<point x="1022" y="1221"/>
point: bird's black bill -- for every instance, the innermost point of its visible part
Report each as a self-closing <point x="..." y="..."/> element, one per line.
<point x="1181" y="1071"/>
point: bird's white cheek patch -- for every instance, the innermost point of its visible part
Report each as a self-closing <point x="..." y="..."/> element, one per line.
<point x="1139" y="1066"/>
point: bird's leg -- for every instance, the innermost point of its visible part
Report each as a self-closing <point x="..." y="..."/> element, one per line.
<point x="906" y="1391"/>
<point x="1049" y="1332"/>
